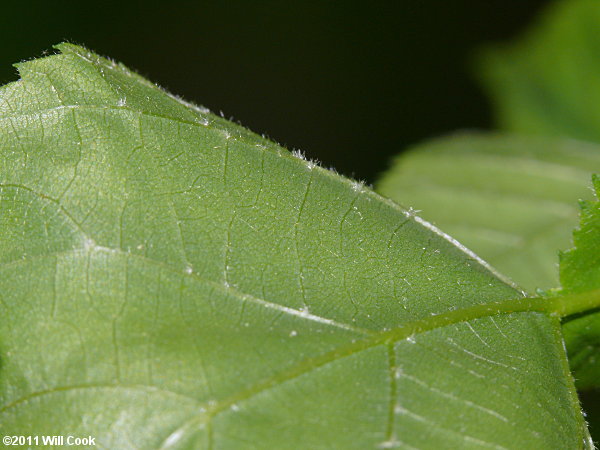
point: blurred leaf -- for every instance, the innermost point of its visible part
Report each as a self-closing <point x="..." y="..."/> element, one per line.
<point x="171" y="280"/>
<point x="512" y="200"/>
<point x="548" y="82"/>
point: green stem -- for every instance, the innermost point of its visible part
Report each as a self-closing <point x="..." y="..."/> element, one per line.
<point x="567" y="305"/>
<point x="560" y="306"/>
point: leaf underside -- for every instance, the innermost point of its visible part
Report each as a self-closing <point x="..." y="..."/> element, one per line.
<point x="171" y="280"/>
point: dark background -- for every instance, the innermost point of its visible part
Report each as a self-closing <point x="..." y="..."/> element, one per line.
<point x="350" y="83"/>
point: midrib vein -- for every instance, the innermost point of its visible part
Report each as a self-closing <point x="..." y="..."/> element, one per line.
<point x="556" y="306"/>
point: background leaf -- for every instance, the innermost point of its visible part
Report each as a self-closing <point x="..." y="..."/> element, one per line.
<point x="548" y="82"/>
<point x="510" y="199"/>
<point x="170" y="280"/>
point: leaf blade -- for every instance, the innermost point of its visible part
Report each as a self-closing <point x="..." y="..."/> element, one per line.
<point x="187" y="262"/>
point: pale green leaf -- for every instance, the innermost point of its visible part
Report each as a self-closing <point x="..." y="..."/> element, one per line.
<point x="548" y="82"/>
<point x="512" y="200"/>
<point x="171" y="280"/>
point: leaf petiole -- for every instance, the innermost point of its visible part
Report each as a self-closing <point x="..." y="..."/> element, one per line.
<point x="559" y="306"/>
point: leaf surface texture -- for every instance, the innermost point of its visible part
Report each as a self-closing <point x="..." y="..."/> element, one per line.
<point x="170" y="280"/>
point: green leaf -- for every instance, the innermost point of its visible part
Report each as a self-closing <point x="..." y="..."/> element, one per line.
<point x="512" y="200"/>
<point x="580" y="272"/>
<point x="580" y="266"/>
<point x="548" y="82"/>
<point x="171" y="280"/>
